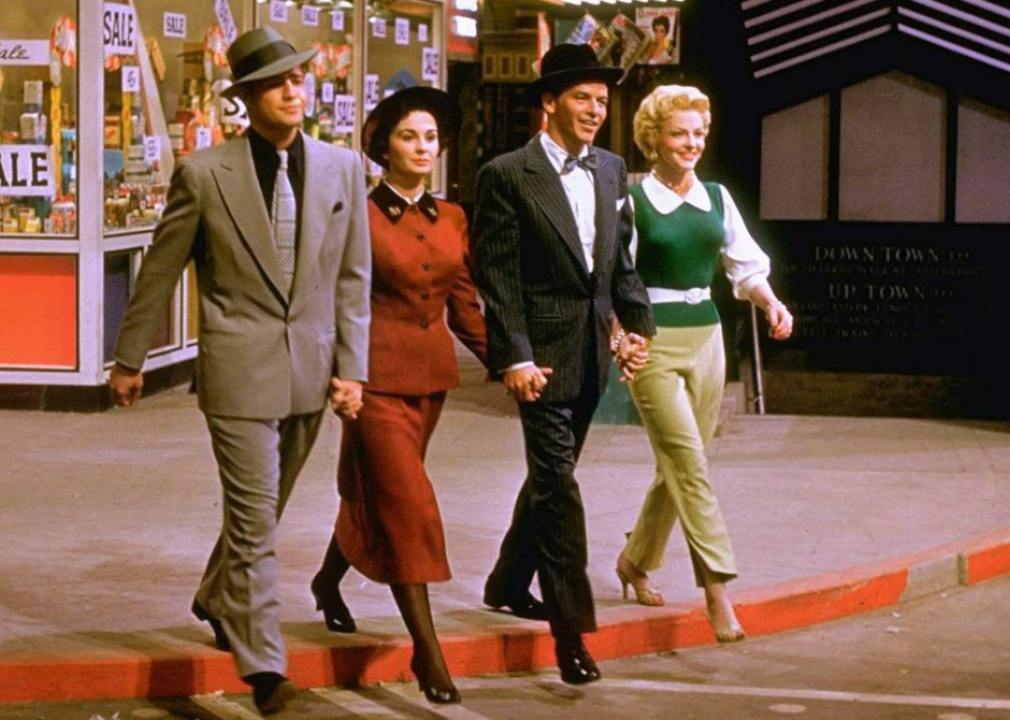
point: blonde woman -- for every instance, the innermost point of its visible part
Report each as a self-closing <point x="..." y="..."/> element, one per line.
<point x="684" y="230"/>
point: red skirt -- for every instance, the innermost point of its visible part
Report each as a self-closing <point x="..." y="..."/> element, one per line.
<point x="389" y="526"/>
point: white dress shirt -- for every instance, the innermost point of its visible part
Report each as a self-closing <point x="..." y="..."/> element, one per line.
<point x="580" y="188"/>
<point x="745" y="263"/>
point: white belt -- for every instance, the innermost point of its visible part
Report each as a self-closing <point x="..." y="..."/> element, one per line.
<point x="692" y="296"/>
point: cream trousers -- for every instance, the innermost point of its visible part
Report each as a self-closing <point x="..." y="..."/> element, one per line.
<point x="678" y="394"/>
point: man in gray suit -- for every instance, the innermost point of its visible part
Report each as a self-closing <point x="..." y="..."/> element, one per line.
<point x="277" y="225"/>
<point x="551" y="262"/>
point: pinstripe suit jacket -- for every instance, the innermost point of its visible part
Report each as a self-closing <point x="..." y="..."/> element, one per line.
<point x="542" y="303"/>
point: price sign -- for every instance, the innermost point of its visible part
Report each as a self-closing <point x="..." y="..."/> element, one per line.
<point x="174" y="25"/>
<point x="26" y="171"/>
<point x="278" y="11"/>
<point x="422" y="33"/>
<point x="344" y="113"/>
<point x="225" y="20"/>
<point x="379" y="28"/>
<point x="429" y="64"/>
<point x="310" y="16"/>
<point x="401" y="31"/>
<point x="310" y="94"/>
<point x="203" y="138"/>
<point x="327" y="92"/>
<point x="131" y="78"/>
<point x="152" y="148"/>
<point x="234" y="112"/>
<point x="119" y="29"/>
<point x="24" y="52"/>
<point x="371" y="92"/>
<point x="337" y="20"/>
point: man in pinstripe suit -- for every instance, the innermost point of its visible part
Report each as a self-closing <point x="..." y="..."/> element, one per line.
<point x="551" y="261"/>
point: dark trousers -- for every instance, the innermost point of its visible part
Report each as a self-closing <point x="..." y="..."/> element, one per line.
<point x="548" y="531"/>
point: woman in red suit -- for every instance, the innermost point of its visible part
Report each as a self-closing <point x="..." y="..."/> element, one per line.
<point x="388" y="527"/>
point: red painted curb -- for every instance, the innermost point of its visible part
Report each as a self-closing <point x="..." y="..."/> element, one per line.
<point x="986" y="558"/>
<point x="624" y="631"/>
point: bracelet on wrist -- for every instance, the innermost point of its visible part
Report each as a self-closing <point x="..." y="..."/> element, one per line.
<point x="615" y="342"/>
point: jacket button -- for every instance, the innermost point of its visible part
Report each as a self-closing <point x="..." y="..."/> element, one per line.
<point x="424" y="324"/>
<point x="426" y="266"/>
<point x="425" y="296"/>
<point x="420" y="237"/>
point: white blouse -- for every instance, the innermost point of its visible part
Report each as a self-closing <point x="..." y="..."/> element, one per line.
<point x="745" y="263"/>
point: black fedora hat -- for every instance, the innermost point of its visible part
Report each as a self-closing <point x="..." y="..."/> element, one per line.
<point x="566" y="65"/>
<point x="261" y="53"/>
<point x="383" y="118"/>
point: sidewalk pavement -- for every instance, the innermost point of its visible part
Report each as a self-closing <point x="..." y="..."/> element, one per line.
<point x="106" y="521"/>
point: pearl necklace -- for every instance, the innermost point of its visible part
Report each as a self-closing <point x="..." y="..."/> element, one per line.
<point x="681" y="189"/>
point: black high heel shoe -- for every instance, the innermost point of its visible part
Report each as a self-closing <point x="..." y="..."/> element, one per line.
<point x="331" y="603"/>
<point x="441" y="696"/>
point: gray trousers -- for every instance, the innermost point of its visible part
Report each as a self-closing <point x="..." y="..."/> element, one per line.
<point x="258" y="461"/>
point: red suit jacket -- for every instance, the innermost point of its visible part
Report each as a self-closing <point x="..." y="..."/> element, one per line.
<point x="420" y="270"/>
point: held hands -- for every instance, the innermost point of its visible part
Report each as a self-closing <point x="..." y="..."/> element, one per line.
<point x="525" y="384"/>
<point x="780" y="321"/>
<point x="631" y="356"/>
<point x="125" y="385"/>
<point x="345" y="398"/>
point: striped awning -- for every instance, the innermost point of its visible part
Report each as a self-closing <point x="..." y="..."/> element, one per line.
<point x="787" y="33"/>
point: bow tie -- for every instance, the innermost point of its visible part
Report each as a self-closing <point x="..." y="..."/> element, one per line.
<point x="587" y="162"/>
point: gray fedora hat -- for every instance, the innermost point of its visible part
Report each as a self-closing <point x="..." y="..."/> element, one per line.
<point x="566" y="65"/>
<point x="261" y="53"/>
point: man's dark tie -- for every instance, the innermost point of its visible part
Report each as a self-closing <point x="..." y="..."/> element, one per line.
<point x="587" y="162"/>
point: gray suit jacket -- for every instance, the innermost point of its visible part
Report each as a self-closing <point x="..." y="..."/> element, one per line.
<point x="542" y="302"/>
<point x="262" y="354"/>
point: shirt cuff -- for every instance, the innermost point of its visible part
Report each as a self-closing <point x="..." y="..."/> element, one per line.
<point x="519" y="366"/>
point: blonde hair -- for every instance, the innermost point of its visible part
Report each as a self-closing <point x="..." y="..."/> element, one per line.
<point x="656" y="109"/>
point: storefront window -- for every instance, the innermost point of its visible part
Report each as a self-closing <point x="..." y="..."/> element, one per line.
<point x="38" y="118"/>
<point x="165" y="67"/>
<point x="403" y="41"/>
<point x="328" y="25"/>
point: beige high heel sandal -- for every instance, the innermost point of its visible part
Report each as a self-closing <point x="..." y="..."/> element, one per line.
<point x="731" y="634"/>
<point x="650" y="597"/>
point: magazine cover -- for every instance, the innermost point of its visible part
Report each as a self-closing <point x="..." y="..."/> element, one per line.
<point x="632" y="41"/>
<point x="661" y="29"/>
<point x="583" y="31"/>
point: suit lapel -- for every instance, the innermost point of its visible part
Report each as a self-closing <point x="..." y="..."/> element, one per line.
<point x="606" y="211"/>
<point x="549" y="194"/>
<point x="317" y="204"/>
<point x="236" y="179"/>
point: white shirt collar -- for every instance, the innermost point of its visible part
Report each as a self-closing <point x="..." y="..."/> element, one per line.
<point x="666" y="200"/>
<point x="557" y="154"/>
<point x="410" y="201"/>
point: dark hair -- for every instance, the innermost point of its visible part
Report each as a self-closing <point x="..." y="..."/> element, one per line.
<point x="663" y="20"/>
<point x="384" y="129"/>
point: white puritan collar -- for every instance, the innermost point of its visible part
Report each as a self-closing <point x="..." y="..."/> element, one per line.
<point x="666" y="200"/>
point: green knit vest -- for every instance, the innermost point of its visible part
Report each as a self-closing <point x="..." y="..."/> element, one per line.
<point x="680" y="251"/>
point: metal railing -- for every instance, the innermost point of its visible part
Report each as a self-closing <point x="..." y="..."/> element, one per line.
<point x="756" y="366"/>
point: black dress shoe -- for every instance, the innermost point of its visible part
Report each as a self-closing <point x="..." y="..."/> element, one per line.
<point x="576" y="664"/>
<point x="220" y="639"/>
<point x="271" y="691"/>
<point x="335" y="612"/>
<point x="441" y="696"/>
<point x="527" y="607"/>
